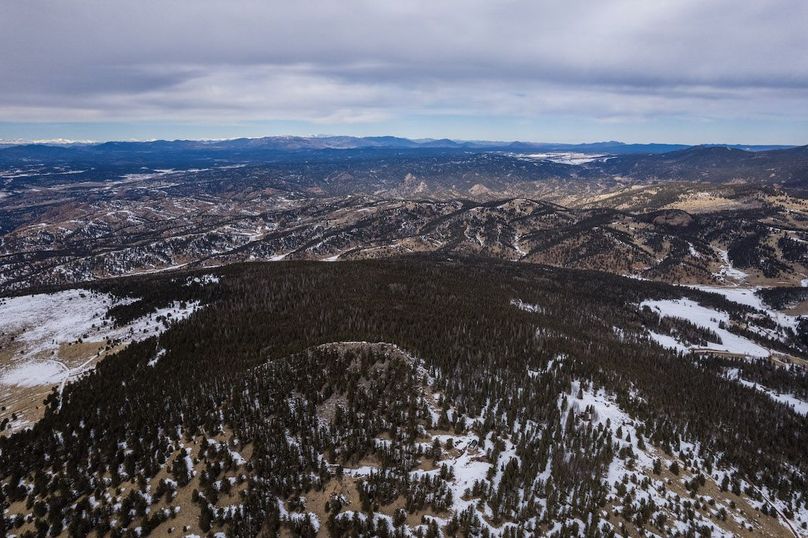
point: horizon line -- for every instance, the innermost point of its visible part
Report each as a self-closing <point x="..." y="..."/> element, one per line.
<point x="59" y="141"/>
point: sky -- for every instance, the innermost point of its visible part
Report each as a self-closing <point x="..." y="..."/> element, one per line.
<point x="683" y="71"/>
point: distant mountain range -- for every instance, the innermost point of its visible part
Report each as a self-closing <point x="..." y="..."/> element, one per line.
<point x="373" y="163"/>
<point x="299" y="143"/>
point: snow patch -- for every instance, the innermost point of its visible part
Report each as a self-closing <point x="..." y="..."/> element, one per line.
<point x="527" y="307"/>
<point x="45" y="322"/>
<point x="799" y="406"/>
<point x="668" y="342"/>
<point x="728" y="270"/>
<point x="203" y="280"/>
<point x="32" y="374"/>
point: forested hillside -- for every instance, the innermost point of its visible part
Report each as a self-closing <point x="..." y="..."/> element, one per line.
<point x="418" y="396"/>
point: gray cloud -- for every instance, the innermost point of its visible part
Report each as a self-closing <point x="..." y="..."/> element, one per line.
<point x="367" y="61"/>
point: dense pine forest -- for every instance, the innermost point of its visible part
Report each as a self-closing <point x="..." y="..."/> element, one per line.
<point x="423" y="396"/>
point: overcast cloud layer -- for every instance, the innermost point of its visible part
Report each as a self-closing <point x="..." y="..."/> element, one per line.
<point x="684" y="70"/>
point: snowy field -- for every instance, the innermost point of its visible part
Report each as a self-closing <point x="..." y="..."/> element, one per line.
<point x="33" y="373"/>
<point x="728" y="271"/>
<point x="43" y="324"/>
<point x="746" y="296"/>
<point x="709" y="318"/>
<point x="564" y="157"/>
<point x="706" y="318"/>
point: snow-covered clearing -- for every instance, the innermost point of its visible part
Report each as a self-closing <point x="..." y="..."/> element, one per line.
<point x="48" y="319"/>
<point x="668" y="342"/>
<point x="31" y="374"/>
<point x="564" y="157"/>
<point x="728" y="271"/>
<point x="43" y="324"/>
<point x="747" y="296"/>
<point x="738" y="295"/>
<point x="706" y="318"/>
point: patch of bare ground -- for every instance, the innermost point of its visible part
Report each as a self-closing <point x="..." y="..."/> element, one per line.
<point x="799" y="309"/>
<point x="427" y="464"/>
<point x="789" y="203"/>
<point x="315" y="500"/>
<point x="784" y="359"/>
<point x="625" y="197"/>
<point x="327" y="410"/>
<point x="708" y="203"/>
<point x="75" y="353"/>
<point x="763" y="525"/>
<point x="756" y="278"/>
<point x="22" y="406"/>
<point x="187" y="519"/>
<point x="738" y="518"/>
<point x="20" y="508"/>
<point x="368" y="460"/>
<point x="413" y="518"/>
